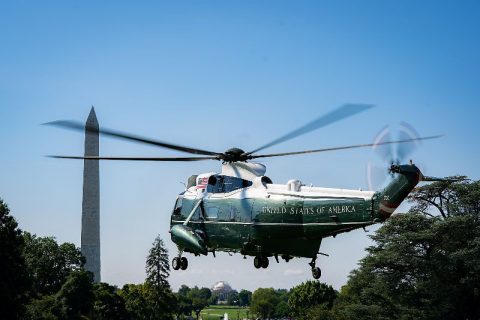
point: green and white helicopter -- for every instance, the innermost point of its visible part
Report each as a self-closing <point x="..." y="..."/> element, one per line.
<point x="240" y="209"/>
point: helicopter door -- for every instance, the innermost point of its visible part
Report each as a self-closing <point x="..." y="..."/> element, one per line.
<point x="227" y="221"/>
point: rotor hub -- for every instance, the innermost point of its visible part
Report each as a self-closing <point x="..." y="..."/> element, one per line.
<point x="234" y="155"/>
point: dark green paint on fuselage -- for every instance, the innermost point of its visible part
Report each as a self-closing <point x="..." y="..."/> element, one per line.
<point x="291" y="227"/>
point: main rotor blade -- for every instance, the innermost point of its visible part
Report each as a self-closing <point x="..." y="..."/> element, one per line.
<point x="338" y="114"/>
<point x="136" y="158"/>
<point x="75" y="125"/>
<point x="342" y="148"/>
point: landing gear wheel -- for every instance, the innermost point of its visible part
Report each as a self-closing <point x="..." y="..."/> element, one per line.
<point x="257" y="262"/>
<point x="183" y="263"/>
<point x="316" y="273"/>
<point x="176" y="263"/>
<point x="265" y="263"/>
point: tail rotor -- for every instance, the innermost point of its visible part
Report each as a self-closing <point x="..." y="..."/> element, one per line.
<point x="382" y="170"/>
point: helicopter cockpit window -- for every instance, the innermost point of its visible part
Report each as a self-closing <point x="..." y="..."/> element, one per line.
<point x="192" y="181"/>
<point x="178" y="207"/>
<point x="225" y="184"/>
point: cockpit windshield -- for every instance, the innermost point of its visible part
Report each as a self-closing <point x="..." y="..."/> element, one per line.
<point x="225" y="184"/>
<point x="178" y="206"/>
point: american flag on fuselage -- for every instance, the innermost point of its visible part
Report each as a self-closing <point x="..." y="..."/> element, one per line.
<point x="202" y="183"/>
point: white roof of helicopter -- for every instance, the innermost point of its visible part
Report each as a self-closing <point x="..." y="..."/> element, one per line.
<point x="294" y="188"/>
<point x="244" y="170"/>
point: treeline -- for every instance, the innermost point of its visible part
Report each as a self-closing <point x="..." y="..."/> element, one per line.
<point x="41" y="279"/>
<point x="423" y="265"/>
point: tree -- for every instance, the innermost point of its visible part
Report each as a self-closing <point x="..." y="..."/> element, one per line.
<point x="108" y="304"/>
<point x="320" y="311"/>
<point x="157" y="266"/>
<point x="184" y="306"/>
<point x="282" y="310"/>
<point x="137" y="301"/>
<point x="205" y="293"/>
<point x="244" y="297"/>
<point x="184" y="290"/>
<point x="310" y="294"/>
<point x="232" y="298"/>
<point x="213" y="299"/>
<point x="75" y="298"/>
<point x="192" y="299"/>
<point x="143" y="301"/>
<point x="49" y="264"/>
<point x="199" y="300"/>
<point x="14" y="282"/>
<point x="419" y="268"/>
<point x="43" y="308"/>
<point x="264" y="302"/>
<point x="163" y="302"/>
<point x="456" y="196"/>
<point x="157" y="288"/>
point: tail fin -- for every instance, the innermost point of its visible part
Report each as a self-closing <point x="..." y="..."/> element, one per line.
<point x="386" y="201"/>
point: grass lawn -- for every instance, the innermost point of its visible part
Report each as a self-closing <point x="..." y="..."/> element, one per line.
<point x="215" y="312"/>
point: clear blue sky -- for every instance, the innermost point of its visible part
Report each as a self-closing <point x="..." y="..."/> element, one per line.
<point x="217" y="74"/>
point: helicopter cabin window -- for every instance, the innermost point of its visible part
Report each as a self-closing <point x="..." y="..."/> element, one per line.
<point x="225" y="184"/>
<point x="212" y="212"/>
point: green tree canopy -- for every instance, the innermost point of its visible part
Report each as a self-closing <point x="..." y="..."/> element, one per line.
<point x="43" y="308"/>
<point x="199" y="299"/>
<point x="157" y="265"/>
<point x="49" y="263"/>
<point x="75" y="298"/>
<point x="108" y="304"/>
<point x="14" y="282"/>
<point x="157" y="289"/>
<point x="184" y="290"/>
<point x="419" y="268"/>
<point x="233" y="298"/>
<point x="244" y="297"/>
<point x="310" y="294"/>
<point x="205" y="293"/>
<point x="264" y="302"/>
<point x="459" y="196"/>
<point x="137" y="304"/>
<point x="184" y="306"/>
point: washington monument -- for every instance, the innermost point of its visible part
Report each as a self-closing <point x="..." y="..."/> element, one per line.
<point x="91" y="199"/>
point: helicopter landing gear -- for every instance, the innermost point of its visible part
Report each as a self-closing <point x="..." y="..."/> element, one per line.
<point x="184" y="263"/>
<point x="257" y="262"/>
<point x="260" y="262"/>
<point x="179" y="263"/>
<point x="265" y="263"/>
<point x="176" y="264"/>
<point x="316" y="272"/>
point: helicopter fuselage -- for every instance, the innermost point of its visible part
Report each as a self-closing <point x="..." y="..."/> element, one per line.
<point x="258" y="218"/>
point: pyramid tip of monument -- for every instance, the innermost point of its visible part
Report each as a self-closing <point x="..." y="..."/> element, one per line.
<point x="92" y="116"/>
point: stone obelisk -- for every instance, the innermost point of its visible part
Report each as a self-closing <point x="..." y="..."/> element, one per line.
<point x="91" y="199"/>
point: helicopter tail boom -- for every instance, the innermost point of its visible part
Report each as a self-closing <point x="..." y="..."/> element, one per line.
<point x="406" y="178"/>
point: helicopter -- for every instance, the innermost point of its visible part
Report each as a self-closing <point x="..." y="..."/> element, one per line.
<point x="241" y="210"/>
